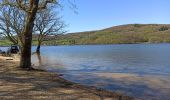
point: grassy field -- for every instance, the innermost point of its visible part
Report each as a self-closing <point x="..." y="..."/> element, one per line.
<point x="5" y="42"/>
<point x="124" y="34"/>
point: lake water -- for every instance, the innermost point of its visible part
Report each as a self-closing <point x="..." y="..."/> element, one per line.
<point x="138" y="70"/>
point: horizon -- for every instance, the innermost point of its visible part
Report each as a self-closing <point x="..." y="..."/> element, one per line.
<point x="97" y="15"/>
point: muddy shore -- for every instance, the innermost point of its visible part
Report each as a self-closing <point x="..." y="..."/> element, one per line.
<point x="18" y="84"/>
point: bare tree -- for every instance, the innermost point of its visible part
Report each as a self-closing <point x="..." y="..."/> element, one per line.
<point x="11" y="23"/>
<point x="47" y="23"/>
<point x="30" y="9"/>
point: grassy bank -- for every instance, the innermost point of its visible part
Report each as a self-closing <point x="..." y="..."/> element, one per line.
<point x="18" y="84"/>
<point x="5" y="42"/>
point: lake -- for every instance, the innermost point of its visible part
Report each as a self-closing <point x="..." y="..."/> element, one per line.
<point x="138" y="70"/>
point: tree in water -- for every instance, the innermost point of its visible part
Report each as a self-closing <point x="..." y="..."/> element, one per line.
<point x="46" y="24"/>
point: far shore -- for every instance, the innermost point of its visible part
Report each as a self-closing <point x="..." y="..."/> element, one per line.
<point x="16" y="83"/>
<point x="95" y="44"/>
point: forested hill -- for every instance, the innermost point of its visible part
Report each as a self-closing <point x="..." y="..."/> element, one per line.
<point x="132" y="33"/>
<point x="123" y="34"/>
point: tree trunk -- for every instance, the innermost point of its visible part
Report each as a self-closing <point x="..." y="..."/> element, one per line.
<point x="25" y="60"/>
<point x="38" y="47"/>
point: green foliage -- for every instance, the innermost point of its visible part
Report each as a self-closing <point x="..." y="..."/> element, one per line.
<point x="137" y="25"/>
<point x="163" y="28"/>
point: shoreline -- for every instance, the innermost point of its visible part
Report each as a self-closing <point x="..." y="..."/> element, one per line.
<point x="16" y="83"/>
<point x="147" y="43"/>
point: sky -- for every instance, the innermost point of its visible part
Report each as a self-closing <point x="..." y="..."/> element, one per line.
<point x="100" y="14"/>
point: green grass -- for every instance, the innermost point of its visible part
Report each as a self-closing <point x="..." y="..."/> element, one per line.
<point x="5" y="43"/>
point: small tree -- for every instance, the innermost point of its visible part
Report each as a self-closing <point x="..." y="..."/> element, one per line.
<point x="47" y="23"/>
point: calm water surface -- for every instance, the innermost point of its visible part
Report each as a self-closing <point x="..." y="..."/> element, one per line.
<point x="138" y="70"/>
<point x="135" y="58"/>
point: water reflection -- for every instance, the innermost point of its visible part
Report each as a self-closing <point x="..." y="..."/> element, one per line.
<point x="148" y="87"/>
<point x="138" y="70"/>
<point x="44" y="62"/>
<point x="39" y="59"/>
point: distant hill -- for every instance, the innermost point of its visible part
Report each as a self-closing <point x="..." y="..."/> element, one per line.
<point x="123" y="34"/>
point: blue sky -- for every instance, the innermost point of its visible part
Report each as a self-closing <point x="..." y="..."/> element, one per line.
<point x="99" y="14"/>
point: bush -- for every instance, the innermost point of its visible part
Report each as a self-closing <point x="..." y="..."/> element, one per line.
<point x="163" y="28"/>
<point x="137" y="25"/>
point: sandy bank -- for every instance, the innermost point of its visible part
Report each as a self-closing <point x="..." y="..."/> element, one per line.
<point x="17" y="84"/>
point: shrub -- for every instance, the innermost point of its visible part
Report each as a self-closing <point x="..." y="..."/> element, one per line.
<point x="163" y="28"/>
